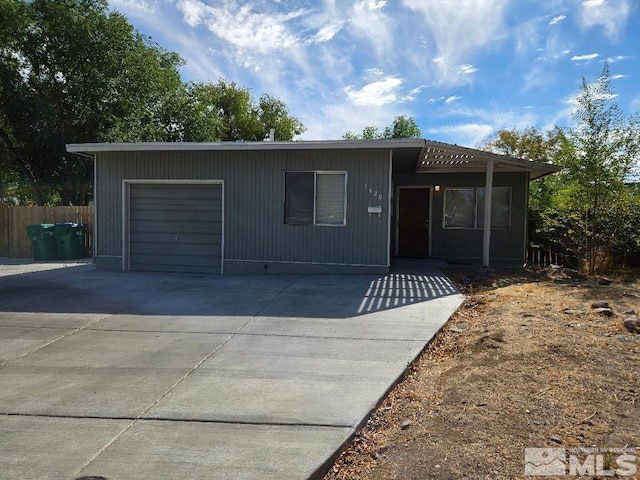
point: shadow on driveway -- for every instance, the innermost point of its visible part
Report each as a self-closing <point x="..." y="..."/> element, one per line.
<point x="80" y="288"/>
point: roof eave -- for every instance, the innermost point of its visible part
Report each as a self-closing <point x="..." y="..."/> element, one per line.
<point x="394" y="143"/>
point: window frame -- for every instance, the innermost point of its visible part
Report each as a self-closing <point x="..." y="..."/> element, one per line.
<point x="476" y="216"/>
<point x="314" y="221"/>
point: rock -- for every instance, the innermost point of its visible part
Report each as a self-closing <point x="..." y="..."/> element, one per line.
<point x="570" y="311"/>
<point x="563" y="280"/>
<point x="555" y="439"/>
<point x="458" y="329"/>
<point x="604" y="281"/>
<point x="632" y="324"/>
<point x="491" y="298"/>
<point x="406" y="424"/>
<point x="630" y="312"/>
<point x="600" y="304"/>
<point x="628" y="339"/>
<point x="604" y="312"/>
<point x="574" y="274"/>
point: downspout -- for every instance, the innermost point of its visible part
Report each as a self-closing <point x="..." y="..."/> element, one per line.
<point x="488" y="197"/>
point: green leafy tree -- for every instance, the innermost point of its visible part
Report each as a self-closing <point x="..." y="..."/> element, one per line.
<point x="590" y="208"/>
<point x="402" y="127"/>
<point x="70" y="71"/>
<point x="597" y="157"/>
<point x="237" y="116"/>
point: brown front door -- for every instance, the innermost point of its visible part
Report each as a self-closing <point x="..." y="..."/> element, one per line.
<point x="413" y="221"/>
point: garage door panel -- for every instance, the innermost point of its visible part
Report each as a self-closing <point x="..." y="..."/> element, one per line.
<point x="184" y="239"/>
<point x="175" y="228"/>
<point x="162" y="249"/>
<point x="189" y="208"/>
<point x="207" y="228"/>
<point x="177" y="260"/>
<point x="185" y="215"/>
<point x="176" y="191"/>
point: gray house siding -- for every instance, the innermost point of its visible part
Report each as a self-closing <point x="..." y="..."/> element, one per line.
<point x="255" y="235"/>
<point x="466" y="245"/>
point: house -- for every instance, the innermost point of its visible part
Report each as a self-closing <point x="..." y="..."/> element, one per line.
<point x="344" y="206"/>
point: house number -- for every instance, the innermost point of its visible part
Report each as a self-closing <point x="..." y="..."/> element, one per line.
<point x="373" y="192"/>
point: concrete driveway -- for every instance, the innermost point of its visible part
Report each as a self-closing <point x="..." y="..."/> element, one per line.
<point x="129" y="376"/>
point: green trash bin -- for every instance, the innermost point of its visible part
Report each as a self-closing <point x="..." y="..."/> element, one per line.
<point x="70" y="239"/>
<point x="43" y="240"/>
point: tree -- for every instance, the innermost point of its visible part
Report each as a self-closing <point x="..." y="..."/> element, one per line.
<point x="590" y="208"/>
<point x="597" y="157"/>
<point x="239" y="117"/>
<point x="72" y="72"/>
<point x="402" y="127"/>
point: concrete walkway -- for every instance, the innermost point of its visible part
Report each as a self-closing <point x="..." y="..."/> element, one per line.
<point x="128" y="376"/>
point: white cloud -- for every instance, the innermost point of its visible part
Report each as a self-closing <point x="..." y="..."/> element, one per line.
<point x="467" y="69"/>
<point x="459" y="29"/>
<point x="584" y="58"/>
<point x="452" y="98"/>
<point x="375" y="93"/>
<point x="246" y="28"/>
<point x="332" y="120"/>
<point x="611" y="15"/>
<point x="194" y="11"/>
<point x="617" y="58"/>
<point x="467" y="133"/>
<point x="327" y="32"/>
<point x="557" y="20"/>
<point x="413" y="94"/>
<point x="144" y="6"/>
<point x="376" y="72"/>
<point x="375" y="4"/>
<point x="372" y="26"/>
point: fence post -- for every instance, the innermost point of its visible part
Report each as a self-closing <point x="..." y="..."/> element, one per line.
<point x="4" y="230"/>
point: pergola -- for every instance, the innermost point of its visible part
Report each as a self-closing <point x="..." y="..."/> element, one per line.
<point x="437" y="157"/>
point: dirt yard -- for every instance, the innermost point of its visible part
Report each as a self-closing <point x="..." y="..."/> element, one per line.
<point x="531" y="360"/>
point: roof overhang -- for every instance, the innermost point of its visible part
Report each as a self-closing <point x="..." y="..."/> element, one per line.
<point x="440" y="157"/>
<point x="391" y="143"/>
<point x="411" y="155"/>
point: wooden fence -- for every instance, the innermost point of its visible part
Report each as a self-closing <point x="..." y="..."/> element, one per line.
<point x="14" y="241"/>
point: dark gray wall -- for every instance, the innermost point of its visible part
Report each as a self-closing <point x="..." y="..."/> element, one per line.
<point x="253" y="204"/>
<point x="454" y="244"/>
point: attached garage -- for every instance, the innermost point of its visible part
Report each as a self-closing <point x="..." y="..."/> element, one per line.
<point x="173" y="226"/>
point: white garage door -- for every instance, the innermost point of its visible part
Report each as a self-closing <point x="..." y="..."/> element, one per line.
<point x="175" y="227"/>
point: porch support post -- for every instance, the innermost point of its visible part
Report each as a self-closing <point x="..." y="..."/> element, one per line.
<point x="488" y="194"/>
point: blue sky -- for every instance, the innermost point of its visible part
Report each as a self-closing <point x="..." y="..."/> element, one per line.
<point x="461" y="68"/>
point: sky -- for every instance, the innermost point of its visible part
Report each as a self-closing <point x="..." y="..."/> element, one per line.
<point x="463" y="69"/>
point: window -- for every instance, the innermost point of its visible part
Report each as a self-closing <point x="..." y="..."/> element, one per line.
<point x="315" y="198"/>
<point x="464" y="208"/>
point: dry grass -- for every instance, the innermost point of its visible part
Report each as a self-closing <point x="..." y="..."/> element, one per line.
<point x="516" y="371"/>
